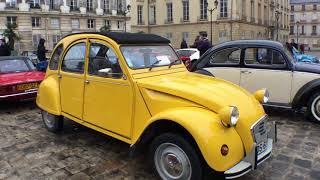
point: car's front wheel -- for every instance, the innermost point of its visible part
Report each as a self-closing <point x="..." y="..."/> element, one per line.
<point x="52" y="122"/>
<point x="314" y="107"/>
<point x="174" y="158"/>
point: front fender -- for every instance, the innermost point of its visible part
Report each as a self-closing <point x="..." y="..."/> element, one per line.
<point x="48" y="97"/>
<point x="302" y="96"/>
<point x="209" y="134"/>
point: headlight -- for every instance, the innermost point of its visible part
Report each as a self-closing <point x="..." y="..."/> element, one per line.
<point x="262" y="95"/>
<point x="229" y="116"/>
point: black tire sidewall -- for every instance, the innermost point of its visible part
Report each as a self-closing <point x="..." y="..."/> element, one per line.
<point x="58" y="123"/>
<point x="183" y="144"/>
<point x="309" y="106"/>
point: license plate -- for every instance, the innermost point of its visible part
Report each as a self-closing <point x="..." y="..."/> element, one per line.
<point x="23" y="87"/>
<point x="262" y="147"/>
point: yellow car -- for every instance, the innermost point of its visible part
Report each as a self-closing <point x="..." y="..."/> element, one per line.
<point x="134" y="88"/>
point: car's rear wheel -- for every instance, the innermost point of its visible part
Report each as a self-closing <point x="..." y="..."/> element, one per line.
<point x="314" y="107"/>
<point x="52" y="122"/>
<point x="173" y="158"/>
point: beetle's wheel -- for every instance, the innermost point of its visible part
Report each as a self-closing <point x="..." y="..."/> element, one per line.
<point x="172" y="162"/>
<point x="314" y="107"/>
<point x="52" y="122"/>
<point x="174" y="158"/>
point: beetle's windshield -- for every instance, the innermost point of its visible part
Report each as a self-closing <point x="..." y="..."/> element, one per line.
<point x="14" y="65"/>
<point x="138" y="57"/>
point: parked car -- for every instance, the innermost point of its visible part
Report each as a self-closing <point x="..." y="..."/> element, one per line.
<point x="298" y="56"/>
<point x="133" y="87"/>
<point x="19" y="79"/>
<point x="256" y="64"/>
<point x="189" y="56"/>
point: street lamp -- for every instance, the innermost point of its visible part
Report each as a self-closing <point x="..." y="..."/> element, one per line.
<point x="277" y="18"/>
<point x="298" y="32"/>
<point x="124" y="13"/>
<point x="216" y="3"/>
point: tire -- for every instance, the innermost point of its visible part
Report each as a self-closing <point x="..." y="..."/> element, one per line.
<point x="172" y="157"/>
<point x="52" y="122"/>
<point x="313" y="106"/>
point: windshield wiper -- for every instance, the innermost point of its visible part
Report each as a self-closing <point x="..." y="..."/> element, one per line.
<point x="153" y="64"/>
<point x="173" y="62"/>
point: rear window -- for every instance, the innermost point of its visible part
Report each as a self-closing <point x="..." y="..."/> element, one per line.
<point x="14" y="65"/>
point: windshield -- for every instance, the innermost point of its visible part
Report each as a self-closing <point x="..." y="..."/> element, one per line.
<point x="14" y="65"/>
<point x="186" y="53"/>
<point x="138" y="57"/>
<point x="289" y="55"/>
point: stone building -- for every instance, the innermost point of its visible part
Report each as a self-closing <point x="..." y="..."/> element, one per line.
<point x="233" y="19"/>
<point x="305" y="23"/>
<point x="52" y="19"/>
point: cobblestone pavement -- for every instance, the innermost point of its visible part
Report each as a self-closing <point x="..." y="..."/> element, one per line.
<point x="28" y="151"/>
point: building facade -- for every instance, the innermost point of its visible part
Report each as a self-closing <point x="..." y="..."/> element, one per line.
<point x="53" y="19"/>
<point x="233" y="19"/>
<point x="305" y="22"/>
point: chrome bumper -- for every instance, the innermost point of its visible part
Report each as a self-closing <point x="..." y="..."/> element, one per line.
<point x="252" y="160"/>
<point x="31" y="91"/>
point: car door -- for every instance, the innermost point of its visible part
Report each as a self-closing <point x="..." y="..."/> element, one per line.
<point x="225" y="64"/>
<point x="72" y="79"/>
<point x="267" y="68"/>
<point x="108" y="96"/>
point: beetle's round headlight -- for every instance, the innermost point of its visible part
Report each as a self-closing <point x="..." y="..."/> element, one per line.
<point x="229" y="116"/>
<point x="262" y="95"/>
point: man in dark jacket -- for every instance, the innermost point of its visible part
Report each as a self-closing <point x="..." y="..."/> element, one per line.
<point x="41" y="51"/>
<point x="183" y="44"/>
<point x="4" y="48"/>
<point x="294" y="44"/>
<point x="204" y="44"/>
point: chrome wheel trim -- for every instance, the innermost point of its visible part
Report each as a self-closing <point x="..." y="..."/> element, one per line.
<point x="48" y="119"/>
<point x="172" y="162"/>
<point x="315" y="108"/>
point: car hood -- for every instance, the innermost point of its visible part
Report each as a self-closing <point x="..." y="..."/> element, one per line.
<point x="21" y="77"/>
<point x="211" y="93"/>
<point x="307" y="67"/>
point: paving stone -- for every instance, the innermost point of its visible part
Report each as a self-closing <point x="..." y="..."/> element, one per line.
<point x="29" y="151"/>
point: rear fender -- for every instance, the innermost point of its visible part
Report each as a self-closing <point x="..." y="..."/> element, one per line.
<point x="48" y="98"/>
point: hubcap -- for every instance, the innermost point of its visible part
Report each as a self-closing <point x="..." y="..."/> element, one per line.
<point x="172" y="162"/>
<point x="48" y="119"/>
<point x="315" y="108"/>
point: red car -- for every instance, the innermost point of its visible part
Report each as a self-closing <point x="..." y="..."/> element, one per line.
<point x="19" y="79"/>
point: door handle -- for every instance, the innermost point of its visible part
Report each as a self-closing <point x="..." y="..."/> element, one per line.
<point x="246" y="72"/>
<point x="87" y="81"/>
<point x="59" y="76"/>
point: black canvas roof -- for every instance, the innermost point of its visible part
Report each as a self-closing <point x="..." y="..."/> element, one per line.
<point x="131" y="38"/>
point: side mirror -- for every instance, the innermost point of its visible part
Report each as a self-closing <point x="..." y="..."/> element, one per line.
<point x="105" y="71"/>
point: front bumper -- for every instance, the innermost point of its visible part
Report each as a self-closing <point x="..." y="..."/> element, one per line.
<point x="29" y="94"/>
<point x="252" y="160"/>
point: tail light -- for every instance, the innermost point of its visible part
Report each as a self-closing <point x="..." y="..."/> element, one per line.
<point x="7" y="90"/>
<point x="184" y="58"/>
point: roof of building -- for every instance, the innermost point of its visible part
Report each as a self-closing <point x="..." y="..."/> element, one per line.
<point x="131" y="38"/>
<point x="304" y="1"/>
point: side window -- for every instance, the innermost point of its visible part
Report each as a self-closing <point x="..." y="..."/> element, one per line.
<point x="229" y="56"/>
<point x="54" y="62"/>
<point x="103" y="62"/>
<point x="264" y="57"/>
<point x="75" y="58"/>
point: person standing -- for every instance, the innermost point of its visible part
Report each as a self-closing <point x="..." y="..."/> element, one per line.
<point x="302" y="48"/>
<point x="204" y="44"/>
<point x="41" y="51"/>
<point x="183" y="44"/>
<point x="294" y="44"/>
<point x="4" y="48"/>
<point x="196" y="42"/>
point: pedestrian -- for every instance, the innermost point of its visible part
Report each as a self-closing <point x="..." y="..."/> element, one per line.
<point x="204" y="44"/>
<point x="196" y="42"/>
<point x="4" y="48"/>
<point x="183" y="44"/>
<point x="294" y="44"/>
<point x="289" y="47"/>
<point x="302" y="48"/>
<point x="41" y="51"/>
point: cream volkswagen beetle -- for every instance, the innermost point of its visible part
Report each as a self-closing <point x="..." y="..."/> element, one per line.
<point x="256" y="64"/>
